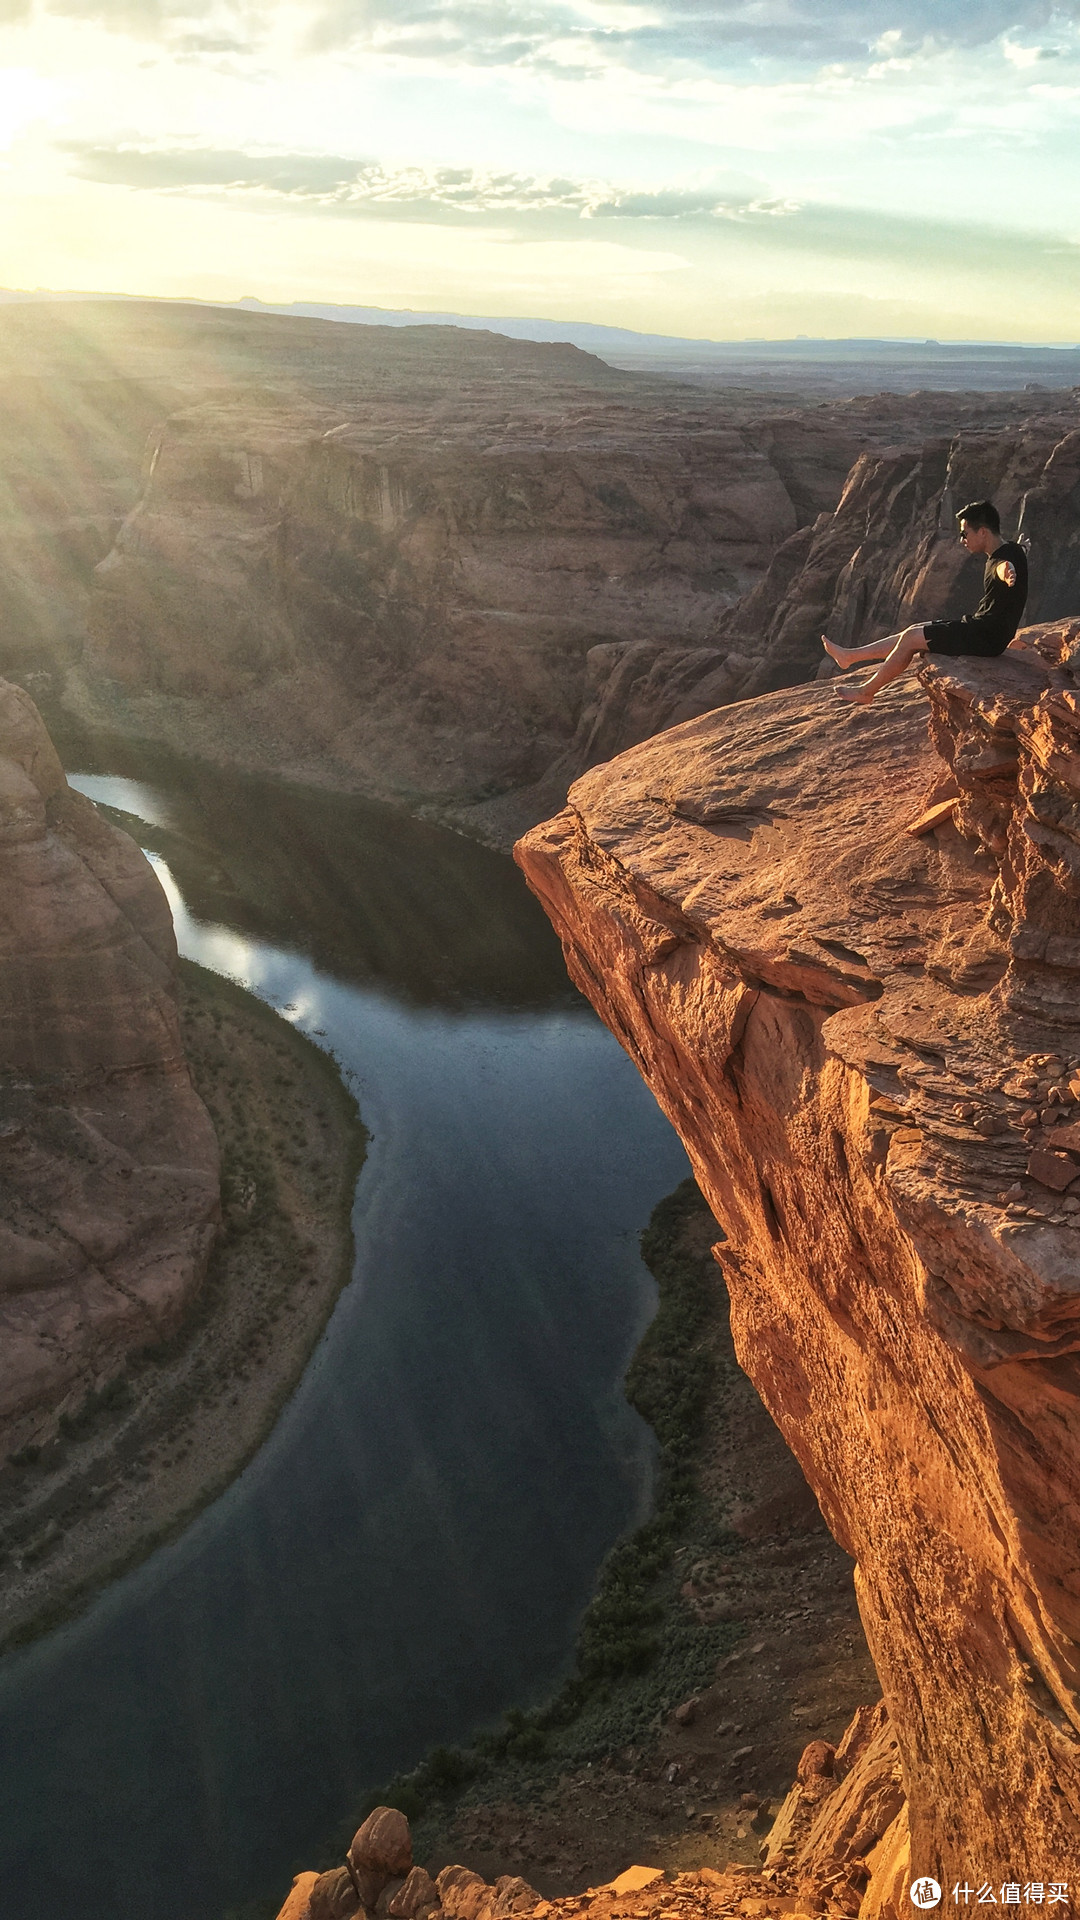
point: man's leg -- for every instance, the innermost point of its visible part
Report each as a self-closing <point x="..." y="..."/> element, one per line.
<point x="908" y="644"/>
<point x="858" y="656"/>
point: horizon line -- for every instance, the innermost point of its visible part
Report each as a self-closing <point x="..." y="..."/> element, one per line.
<point x="433" y="315"/>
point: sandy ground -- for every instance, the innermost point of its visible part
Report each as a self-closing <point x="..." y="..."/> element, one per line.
<point x="171" y="1432"/>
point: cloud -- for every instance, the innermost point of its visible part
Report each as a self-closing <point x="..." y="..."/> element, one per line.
<point x="791" y="33"/>
<point x="337" y="184"/>
<point x="708" y="220"/>
<point x="569" y="34"/>
<point x="304" y="175"/>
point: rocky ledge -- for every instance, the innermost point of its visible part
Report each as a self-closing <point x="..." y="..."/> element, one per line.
<point x="109" y="1191"/>
<point x="838" y="1831"/>
<point x="842" y="950"/>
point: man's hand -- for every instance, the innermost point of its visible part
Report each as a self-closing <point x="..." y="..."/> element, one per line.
<point x="1006" y="572"/>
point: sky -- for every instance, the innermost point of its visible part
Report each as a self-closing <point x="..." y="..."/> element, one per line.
<point x="723" y="169"/>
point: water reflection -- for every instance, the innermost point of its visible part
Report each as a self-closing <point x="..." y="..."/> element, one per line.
<point x="409" y="1552"/>
<point x="369" y="893"/>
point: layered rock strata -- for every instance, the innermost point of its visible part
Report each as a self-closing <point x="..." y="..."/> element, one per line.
<point x="865" y="1037"/>
<point x="83" y="383"/>
<point x="428" y="605"/>
<point x="887" y="555"/>
<point x="439" y="564"/>
<point x="109" y="1191"/>
<point x="452" y="588"/>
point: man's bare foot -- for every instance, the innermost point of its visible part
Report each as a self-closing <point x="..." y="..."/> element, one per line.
<point x="854" y="696"/>
<point x="841" y="655"/>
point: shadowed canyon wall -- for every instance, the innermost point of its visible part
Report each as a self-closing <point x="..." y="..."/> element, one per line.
<point x="869" y="1040"/>
<point x="451" y="602"/>
<point x="426" y="606"/>
<point x="441" y="565"/>
<point x="108" y="1161"/>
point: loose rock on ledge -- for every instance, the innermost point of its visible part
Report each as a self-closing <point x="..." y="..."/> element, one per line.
<point x="843" y="1805"/>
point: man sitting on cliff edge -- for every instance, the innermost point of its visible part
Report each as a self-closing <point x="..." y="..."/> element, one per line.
<point x="985" y="633"/>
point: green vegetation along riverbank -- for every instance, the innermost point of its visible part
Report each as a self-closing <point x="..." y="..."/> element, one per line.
<point x="722" y="1636"/>
<point x="640" y="1648"/>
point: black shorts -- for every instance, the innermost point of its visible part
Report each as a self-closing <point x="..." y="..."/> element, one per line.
<point x="959" y="637"/>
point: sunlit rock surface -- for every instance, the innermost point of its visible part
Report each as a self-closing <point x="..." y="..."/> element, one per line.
<point x="108" y="1161"/>
<point x="868" y="1039"/>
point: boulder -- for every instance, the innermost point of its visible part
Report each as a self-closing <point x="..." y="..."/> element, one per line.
<point x="381" y="1850"/>
<point x="389" y="1891"/>
<point x="298" y="1904"/>
<point x="461" y="1892"/>
<point x="333" y="1896"/>
<point x="417" y="1895"/>
<point x="817" y="1761"/>
<point x="510" y="1894"/>
<point x="383" y="1843"/>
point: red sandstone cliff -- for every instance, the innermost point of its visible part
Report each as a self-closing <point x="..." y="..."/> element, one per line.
<point x="108" y="1160"/>
<point x="869" y="1041"/>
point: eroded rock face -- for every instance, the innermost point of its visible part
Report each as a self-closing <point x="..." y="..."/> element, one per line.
<point x="1012" y="742"/>
<point x="423" y="602"/>
<point x="830" y="1010"/>
<point x="438" y="564"/>
<point x="888" y="554"/>
<point x="108" y="1160"/>
<point x="450" y="599"/>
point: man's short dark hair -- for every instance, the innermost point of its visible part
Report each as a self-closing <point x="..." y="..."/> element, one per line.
<point x="981" y="513"/>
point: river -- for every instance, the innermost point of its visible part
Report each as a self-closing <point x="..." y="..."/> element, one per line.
<point x="411" y="1549"/>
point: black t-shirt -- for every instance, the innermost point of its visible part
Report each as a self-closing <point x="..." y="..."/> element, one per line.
<point x="1001" y="608"/>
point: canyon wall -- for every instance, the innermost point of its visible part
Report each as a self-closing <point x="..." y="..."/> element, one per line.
<point x="449" y="601"/>
<point x="83" y="384"/>
<point x="108" y="1160"/>
<point x="420" y="606"/>
<point x="445" y="566"/>
<point x="843" y="955"/>
<point x="888" y="555"/>
<point x="435" y="563"/>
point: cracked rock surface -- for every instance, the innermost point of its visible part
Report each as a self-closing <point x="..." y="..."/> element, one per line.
<point x="873" y="1065"/>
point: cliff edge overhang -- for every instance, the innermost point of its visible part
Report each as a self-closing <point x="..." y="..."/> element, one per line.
<point x="842" y="948"/>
